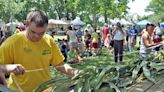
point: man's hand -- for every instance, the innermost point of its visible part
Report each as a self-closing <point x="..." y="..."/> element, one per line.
<point x="67" y="69"/>
<point x="15" y="68"/>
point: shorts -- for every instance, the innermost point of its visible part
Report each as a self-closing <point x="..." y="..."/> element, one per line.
<point x="87" y="44"/>
<point x="95" y="45"/>
<point x="74" y="44"/>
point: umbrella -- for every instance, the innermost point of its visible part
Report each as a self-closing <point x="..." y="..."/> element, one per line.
<point x="162" y="24"/>
<point x="57" y="22"/>
<point x="143" y="22"/>
<point x="11" y="23"/>
<point x="77" y="21"/>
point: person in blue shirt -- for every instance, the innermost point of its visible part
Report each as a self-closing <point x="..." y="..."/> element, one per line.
<point x="132" y="37"/>
<point x="79" y="34"/>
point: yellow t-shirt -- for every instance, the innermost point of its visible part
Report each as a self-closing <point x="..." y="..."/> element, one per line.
<point x="16" y="31"/>
<point x="34" y="56"/>
<point x="95" y="37"/>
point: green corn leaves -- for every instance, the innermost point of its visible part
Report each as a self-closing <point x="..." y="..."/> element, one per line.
<point x="147" y="73"/>
<point x="108" y="78"/>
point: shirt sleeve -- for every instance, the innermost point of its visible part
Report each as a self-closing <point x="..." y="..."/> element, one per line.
<point x="57" y="56"/>
<point x="6" y="53"/>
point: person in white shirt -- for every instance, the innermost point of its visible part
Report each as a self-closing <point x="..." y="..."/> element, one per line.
<point x="118" y="37"/>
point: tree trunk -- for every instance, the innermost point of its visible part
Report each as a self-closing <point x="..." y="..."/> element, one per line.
<point x="94" y="21"/>
<point x="67" y="15"/>
<point x="73" y="14"/>
<point x="105" y="17"/>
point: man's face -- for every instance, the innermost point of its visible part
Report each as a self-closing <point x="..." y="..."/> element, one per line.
<point x="150" y="29"/>
<point x="35" y="33"/>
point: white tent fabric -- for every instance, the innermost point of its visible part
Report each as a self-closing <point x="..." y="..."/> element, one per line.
<point x="56" y="22"/>
<point x="125" y="22"/>
<point x="77" y="21"/>
<point x="122" y="21"/>
<point x="143" y="22"/>
<point x="12" y="23"/>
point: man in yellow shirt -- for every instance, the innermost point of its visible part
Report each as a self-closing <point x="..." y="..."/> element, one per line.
<point x="27" y="55"/>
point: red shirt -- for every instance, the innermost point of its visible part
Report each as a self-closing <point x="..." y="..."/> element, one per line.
<point x="105" y="31"/>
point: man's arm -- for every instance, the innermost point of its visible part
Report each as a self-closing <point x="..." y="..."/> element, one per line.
<point x="146" y="41"/>
<point x="8" y="68"/>
<point x="14" y="68"/>
<point x="66" y="69"/>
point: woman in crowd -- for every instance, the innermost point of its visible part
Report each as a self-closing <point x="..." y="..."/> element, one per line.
<point x="118" y="37"/>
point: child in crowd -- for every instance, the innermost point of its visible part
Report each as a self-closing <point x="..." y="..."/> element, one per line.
<point x="80" y="47"/>
<point x="95" y="37"/>
<point x="63" y="47"/>
<point x="107" y="42"/>
<point x="87" y="37"/>
<point x="99" y="40"/>
<point x="72" y="55"/>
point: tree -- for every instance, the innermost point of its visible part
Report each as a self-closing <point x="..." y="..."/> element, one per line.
<point x="9" y="8"/>
<point x="156" y="6"/>
<point x="88" y="10"/>
<point x="94" y="8"/>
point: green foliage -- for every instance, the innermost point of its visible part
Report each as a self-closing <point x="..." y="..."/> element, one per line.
<point x="156" y="6"/>
<point x="9" y="8"/>
<point x="100" y="75"/>
<point x="106" y="8"/>
<point x="68" y="9"/>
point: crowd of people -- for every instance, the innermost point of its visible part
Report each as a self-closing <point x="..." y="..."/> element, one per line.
<point x="118" y="39"/>
<point x="79" y="43"/>
<point x="89" y="41"/>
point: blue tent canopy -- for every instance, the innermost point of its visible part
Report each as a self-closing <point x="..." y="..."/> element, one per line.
<point x="143" y="22"/>
<point x="162" y="24"/>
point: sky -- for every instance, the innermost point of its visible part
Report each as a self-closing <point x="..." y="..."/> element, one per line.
<point x="138" y="7"/>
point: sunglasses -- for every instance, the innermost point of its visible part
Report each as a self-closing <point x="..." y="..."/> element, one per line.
<point x="148" y="24"/>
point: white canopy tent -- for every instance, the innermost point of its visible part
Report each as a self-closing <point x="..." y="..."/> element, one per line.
<point x="52" y="23"/>
<point x="125" y="22"/>
<point x="12" y="23"/>
<point x="77" y="21"/>
<point x="56" y="22"/>
<point x="122" y="21"/>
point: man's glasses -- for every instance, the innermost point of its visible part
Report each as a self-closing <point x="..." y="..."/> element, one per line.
<point x="33" y="32"/>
